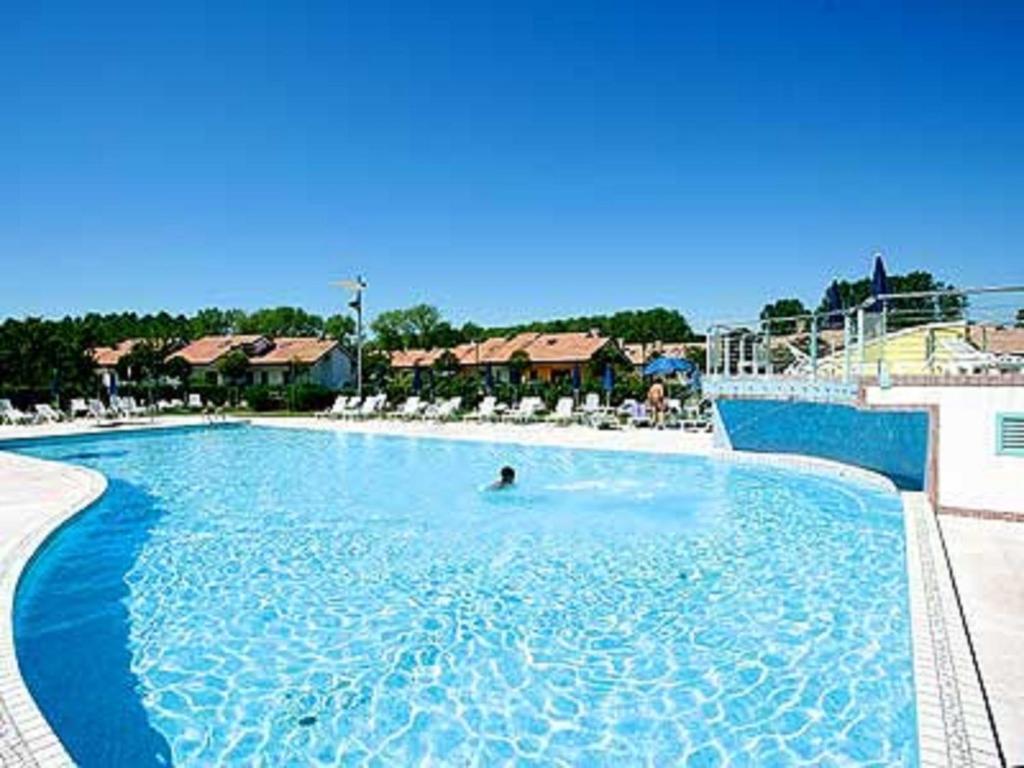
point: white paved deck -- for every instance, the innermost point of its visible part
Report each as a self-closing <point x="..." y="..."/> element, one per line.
<point x="988" y="563"/>
<point x="35" y="497"/>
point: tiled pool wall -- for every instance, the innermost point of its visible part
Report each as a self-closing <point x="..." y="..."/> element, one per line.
<point x="893" y="443"/>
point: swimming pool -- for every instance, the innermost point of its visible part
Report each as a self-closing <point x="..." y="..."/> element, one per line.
<point x="301" y="597"/>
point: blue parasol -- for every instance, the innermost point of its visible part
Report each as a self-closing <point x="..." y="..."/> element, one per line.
<point x="879" y="280"/>
<point x="577" y="378"/>
<point x="834" y="306"/>
<point x="112" y="386"/>
<point x="664" y="366"/>
<point x="489" y="378"/>
<point x="417" y="379"/>
<point x="608" y="380"/>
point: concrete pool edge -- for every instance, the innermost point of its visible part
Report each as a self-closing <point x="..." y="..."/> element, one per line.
<point x="26" y="737"/>
<point x="952" y="722"/>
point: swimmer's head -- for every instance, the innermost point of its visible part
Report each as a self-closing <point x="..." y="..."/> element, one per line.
<point x="508" y="475"/>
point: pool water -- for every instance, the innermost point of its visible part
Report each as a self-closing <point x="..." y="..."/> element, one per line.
<point x="288" y="597"/>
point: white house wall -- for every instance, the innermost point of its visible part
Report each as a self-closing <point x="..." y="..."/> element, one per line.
<point x="971" y="475"/>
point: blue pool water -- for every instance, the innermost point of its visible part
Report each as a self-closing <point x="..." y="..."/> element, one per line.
<point x="292" y="598"/>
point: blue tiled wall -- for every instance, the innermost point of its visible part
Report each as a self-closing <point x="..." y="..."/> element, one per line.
<point x="893" y="443"/>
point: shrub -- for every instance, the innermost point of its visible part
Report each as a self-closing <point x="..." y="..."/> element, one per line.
<point x="262" y="399"/>
<point x="310" y="397"/>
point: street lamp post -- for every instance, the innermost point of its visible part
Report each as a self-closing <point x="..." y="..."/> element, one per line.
<point x="357" y="287"/>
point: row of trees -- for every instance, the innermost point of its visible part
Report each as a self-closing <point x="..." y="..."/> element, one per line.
<point x="40" y="356"/>
<point x="423" y="326"/>
<point x="902" y="314"/>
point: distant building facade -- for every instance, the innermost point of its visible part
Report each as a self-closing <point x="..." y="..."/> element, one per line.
<point x="273" y="361"/>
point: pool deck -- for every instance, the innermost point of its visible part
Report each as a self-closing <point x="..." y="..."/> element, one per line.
<point x="36" y="497"/>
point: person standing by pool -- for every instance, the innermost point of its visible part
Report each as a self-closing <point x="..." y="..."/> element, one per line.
<point x="656" y="402"/>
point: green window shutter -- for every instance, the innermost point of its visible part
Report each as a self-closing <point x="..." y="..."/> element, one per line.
<point x="1010" y="434"/>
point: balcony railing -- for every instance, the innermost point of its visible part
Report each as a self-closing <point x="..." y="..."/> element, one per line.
<point x="924" y="335"/>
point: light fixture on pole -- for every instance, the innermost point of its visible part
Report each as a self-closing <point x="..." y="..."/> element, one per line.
<point x="357" y="287"/>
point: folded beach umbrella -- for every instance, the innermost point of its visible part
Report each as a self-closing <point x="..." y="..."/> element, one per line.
<point x="608" y="380"/>
<point x="417" y="379"/>
<point x="879" y="280"/>
<point x="577" y="378"/>
<point x="489" y="378"/>
<point x="665" y="366"/>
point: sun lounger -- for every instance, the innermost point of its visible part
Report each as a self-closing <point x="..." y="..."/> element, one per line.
<point x="444" y="410"/>
<point x="195" y="402"/>
<point x="372" y="406"/>
<point x="97" y="410"/>
<point x="46" y="412"/>
<point x="410" y="409"/>
<point x="11" y="415"/>
<point x="696" y="418"/>
<point x="526" y="411"/>
<point x="563" y="413"/>
<point x="485" y="411"/>
<point x="336" y="408"/>
<point x="78" y="407"/>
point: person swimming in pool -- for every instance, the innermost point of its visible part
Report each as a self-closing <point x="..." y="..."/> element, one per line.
<point x="506" y="479"/>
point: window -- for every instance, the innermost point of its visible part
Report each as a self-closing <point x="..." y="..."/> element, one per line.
<point x="1010" y="434"/>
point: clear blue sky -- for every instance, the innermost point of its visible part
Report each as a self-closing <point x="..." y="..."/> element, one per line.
<point x="506" y="161"/>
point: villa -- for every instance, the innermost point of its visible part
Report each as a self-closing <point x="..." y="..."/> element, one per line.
<point x="552" y="356"/>
<point x="272" y="361"/>
<point x="107" y="360"/>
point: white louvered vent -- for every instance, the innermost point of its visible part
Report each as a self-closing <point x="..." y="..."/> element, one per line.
<point x="1011" y="433"/>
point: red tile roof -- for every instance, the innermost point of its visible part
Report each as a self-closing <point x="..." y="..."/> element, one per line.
<point x="541" y="347"/>
<point x="108" y="357"/>
<point x="565" y="347"/>
<point x="294" y="349"/>
<point x="998" y="339"/>
<point x="209" y="349"/>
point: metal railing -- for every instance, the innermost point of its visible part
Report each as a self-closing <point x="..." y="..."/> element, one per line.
<point x="971" y="332"/>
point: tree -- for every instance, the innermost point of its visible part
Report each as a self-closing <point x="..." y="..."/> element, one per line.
<point x="906" y="312"/>
<point x="518" y="363"/>
<point x="177" y="368"/>
<point x="233" y="366"/>
<point x="782" y="308"/>
<point x="282" y="321"/>
<point x="341" y="328"/>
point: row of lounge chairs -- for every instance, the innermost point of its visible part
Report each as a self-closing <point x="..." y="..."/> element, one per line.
<point x="44" y="413"/>
<point x="527" y="410"/>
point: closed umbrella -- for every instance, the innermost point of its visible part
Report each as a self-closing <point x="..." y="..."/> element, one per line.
<point x="879" y="281"/>
<point x="608" y="382"/>
<point x="834" y="302"/>
<point x="489" y="378"/>
<point x="417" y="379"/>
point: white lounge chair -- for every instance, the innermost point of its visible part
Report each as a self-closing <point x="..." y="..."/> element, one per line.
<point x="134" y="407"/>
<point x="118" y="406"/>
<point x="336" y="409"/>
<point x="372" y="406"/>
<point x="46" y="412"/>
<point x="195" y="402"/>
<point x="97" y="410"/>
<point x="78" y="407"/>
<point x="526" y="411"/>
<point x="563" y="413"/>
<point x="410" y="409"/>
<point x="444" y="410"/>
<point x="485" y="411"/>
<point x="11" y="415"/>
